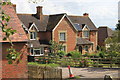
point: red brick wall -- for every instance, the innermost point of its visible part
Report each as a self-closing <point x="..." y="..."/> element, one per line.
<point x="71" y="34"/>
<point x="45" y="36"/>
<point x="94" y="38"/>
<point x="14" y="70"/>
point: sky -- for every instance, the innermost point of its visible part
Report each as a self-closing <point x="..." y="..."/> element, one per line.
<point x="102" y="12"/>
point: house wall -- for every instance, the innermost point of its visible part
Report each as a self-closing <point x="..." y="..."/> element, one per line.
<point x="14" y="70"/>
<point x="45" y="36"/>
<point x="65" y="25"/>
<point x="94" y="39"/>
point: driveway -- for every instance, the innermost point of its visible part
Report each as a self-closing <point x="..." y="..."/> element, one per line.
<point x="91" y="72"/>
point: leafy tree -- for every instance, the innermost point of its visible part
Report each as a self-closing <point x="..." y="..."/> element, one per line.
<point x="118" y="28"/>
<point x="55" y="47"/>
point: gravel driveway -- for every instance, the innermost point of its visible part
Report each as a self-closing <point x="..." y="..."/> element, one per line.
<point x="91" y="72"/>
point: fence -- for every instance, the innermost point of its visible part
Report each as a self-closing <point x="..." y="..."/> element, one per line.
<point x="81" y="62"/>
<point x="43" y="73"/>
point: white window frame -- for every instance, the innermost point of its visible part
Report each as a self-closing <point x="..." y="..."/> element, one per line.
<point x="34" y="37"/>
<point x="88" y="35"/>
<point x="64" y="36"/>
<point x="33" y="54"/>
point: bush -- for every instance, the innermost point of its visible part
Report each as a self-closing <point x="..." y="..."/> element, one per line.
<point x="61" y="53"/>
<point x="75" y="54"/>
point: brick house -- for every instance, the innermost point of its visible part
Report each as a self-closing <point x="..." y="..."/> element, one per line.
<point x="104" y="32"/>
<point x="19" y="40"/>
<point x="75" y="32"/>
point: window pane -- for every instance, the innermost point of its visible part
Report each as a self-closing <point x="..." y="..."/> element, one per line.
<point x="86" y="33"/>
<point x="36" y="52"/>
<point x="34" y="33"/>
<point x="31" y="36"/>
<point x="31" y="51"/>
<point x="62" y="36"/>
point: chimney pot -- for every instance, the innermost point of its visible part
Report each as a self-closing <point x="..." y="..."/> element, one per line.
<point x="86" y="14"/>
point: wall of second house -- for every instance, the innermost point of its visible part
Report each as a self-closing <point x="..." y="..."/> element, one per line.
<point x="45" y="36"/>
<point x="14" y="70"/>
<point x="65" y="26"/>
<point x="94" y="39"/>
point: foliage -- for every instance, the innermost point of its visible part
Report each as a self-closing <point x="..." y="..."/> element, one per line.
<point x="13" y="55"/>
<point x="49" y="65"/>
<point x="55" y="47"/>
<point x="75" y="54"/>
<point x="61" y="53"/>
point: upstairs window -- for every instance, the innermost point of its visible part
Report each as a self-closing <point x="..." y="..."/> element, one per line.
<point x="62" y="36"/>
<point x="33" y="35"/>
<point x="85" y="34"/>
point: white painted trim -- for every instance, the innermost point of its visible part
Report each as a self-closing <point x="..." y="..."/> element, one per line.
<point x="85" y="27"/>
<point x="32" y="26"/>
<point x="65" y="15"/>
<point x="34" y="53"/>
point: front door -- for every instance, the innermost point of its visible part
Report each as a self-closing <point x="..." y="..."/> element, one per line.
<point x="80" y="49"/>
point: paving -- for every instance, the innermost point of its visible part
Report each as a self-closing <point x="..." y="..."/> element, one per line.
<point x="91" y="72"/>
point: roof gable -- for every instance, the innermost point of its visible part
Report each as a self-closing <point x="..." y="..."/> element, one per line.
<point x="85" y="27"/>
<point x="14" y="23"/>
<point x="33" y="25"/>
<point x="52" y="25"/>
<point x="83" y="20"/>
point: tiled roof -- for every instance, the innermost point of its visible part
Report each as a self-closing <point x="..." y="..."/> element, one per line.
<point x="14" y="23"/>
<point x="103" y="33"/>
<point x="83" y="20"/>
<point x="81" y="41"/>
<point x="53" y="21"/>
<point x="36" y="44"/>
<point x="26" y="19"/>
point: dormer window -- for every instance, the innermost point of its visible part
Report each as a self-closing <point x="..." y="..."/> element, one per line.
<point x="86" y="34"/>
<point x="85" y="31"/>
<point x="33" y="35"/>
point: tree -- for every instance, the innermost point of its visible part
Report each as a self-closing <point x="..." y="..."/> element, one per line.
<point x="118" y="28"/>
<point x="55" y="47"/>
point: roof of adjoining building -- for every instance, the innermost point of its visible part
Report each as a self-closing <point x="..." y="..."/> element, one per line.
<point x="82" y="41"/>
<point x="49" y="22"/>
<point x="15" y="24"/>
<point x="81" y="20"/>
<point x="26" y="19"/>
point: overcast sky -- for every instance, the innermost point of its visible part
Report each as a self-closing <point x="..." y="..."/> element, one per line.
<point x="102" y="12"/>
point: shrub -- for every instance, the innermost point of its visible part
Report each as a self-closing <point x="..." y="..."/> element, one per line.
<point x="61" y="53"/>
<point x="75" y="54"/>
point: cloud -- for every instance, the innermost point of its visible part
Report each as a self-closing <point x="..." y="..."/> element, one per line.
<point x="102" y="12"/>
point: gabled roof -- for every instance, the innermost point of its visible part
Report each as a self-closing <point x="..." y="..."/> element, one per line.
<point x="82" y="41"/>
<point x="15" y="24"/>
<point x="26" y="19"/>
<point x="54" y="20"/>
<point x="83" y="20"/>
<point x="103" y="33"/>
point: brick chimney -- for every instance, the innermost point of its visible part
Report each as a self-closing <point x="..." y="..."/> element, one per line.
<point x="39" y="13"/>
<point x="14" y="6"/>
<point x="86" y="14"/>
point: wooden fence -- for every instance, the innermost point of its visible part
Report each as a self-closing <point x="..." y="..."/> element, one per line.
<point x="94" y="62"/>
<point x="44" y="73"/>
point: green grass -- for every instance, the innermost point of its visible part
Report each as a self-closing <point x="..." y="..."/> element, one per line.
<point x="49" y="65"/>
